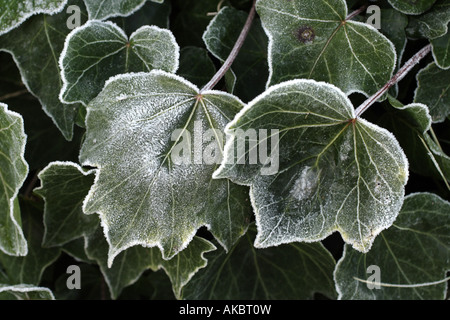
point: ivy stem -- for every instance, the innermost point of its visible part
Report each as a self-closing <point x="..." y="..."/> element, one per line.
<point x="234" y="52"/>
<point x="396" y="78"/>
<point x="356" y="12"/>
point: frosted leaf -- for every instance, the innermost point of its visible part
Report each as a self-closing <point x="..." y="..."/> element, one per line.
<point x="412" y="7"/>
<point x="141" y="194"/>
<point x="13" y="172"/>
<point x="102" y="10"/>
<point x="335" y="172"/>
<point x="413" y="255"/>
<point x="13" y="13"/>
<point x="441" y="53"/>
<point x="25" y="292"/>
<point x="431" y="24"/>
<point x="99" y="50"/>
<point x="312" y="40"/>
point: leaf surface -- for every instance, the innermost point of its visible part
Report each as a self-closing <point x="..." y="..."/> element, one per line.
<point x="441" y="51"/>
<point x="433" y="23"/>
<point x="102" y="10"/>
<point x="25" y="292"/>
<point x="412" y="7"/>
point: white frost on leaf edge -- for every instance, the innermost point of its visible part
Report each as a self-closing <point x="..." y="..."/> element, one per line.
<point x="23" y="288"/>
<point x="29" y="14"/>
<point x="118" y="14"/>
<point x="23" y="250"/>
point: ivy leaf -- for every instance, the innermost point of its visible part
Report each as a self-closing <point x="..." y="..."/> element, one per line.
<point x="64" y="185"/>
<point x="441" y="54"/>
<point x="42" y="37"/>
<point x="433" y="86"/>
<point x="16" y="12"/>
<point x="25" y="292"/>
<point x="415" y="250"/>
<point x="131" y="263"/>
<point x="412" y="7"/>
<point x="250" y="66"/>
<point x="196" y="66"/>
<point x="102" y="10"/>
<point x="99" y="50"/>
<point x="29" y="269"/>
<point x="13" y="172"/>
<point x="294" y="271"/>
<point x="314" y="41"/>
<point x="328" y="171"/>
<point x="160" y="191"/>
<point x="433" y="23"/>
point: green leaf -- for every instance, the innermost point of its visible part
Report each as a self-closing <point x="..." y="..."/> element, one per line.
<point x="412" y="7"/>
<point x="250" y="66"/>
<point x="433" y="85"/>
<point x="294" y="271"/>
<point x="29" y="269"/>
<point x="196" y="66"/>
<point x="13" y="172"/>
<point x="130" y="264"/>
<point x="415" y="251"/>
<point x="314" y="41"/>
<point x="42" y="38"/>
<point x="102" y="10"/>
<point x="160" y="191"/>
<point x="433" y="23"/>
<point x="98" y="50"/>
<point x="393" y="25"/>
<point x="441" y="52"/>
<point x="15" y="12"/>
<point x="25" y="292"/>
<point x="328" y="171"/>
<point x="64" y="185"/>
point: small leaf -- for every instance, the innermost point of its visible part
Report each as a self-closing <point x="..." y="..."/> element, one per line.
<point x="412" y="7"/>
<point x="13" y="172"/>
<point x="160" y="191"/>
<point x="98" y="50"/>
<point x="102" y="10"/>
<point x="29" y="269"/>
<point x="441" y="51"/>
<point x="250" y="66"/>
<point x="294" y="271"/>
<point x="328" y="171"/>
<point x="25" y="292"/>
<point x="433" y="23"/>
<point x="15" y="12"/>
<point x="433" y="86"/>
<point x="42" y="38"/>
<point x="196" y="66"/>
<point x="315" y="41"/>
<point x="64" y="185"/>
<point x="414" y="252"/>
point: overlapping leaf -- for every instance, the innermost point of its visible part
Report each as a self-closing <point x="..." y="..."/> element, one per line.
<point x="433" y="23"/>
<point x="441" y="51"/>
<point x="412" y="7"/>
<point x="413" y="253"/>
<point x="433" y="85"/>
<point x="13" y="171"/>
<point x="42" y="38"/>
<point x="294" y="271"/>
<point x="154" y="185"/>
<point x="25" y="292"/>
<point x="98" y="50"/>
<point x="314" y="40"/>
<point x="13" y="13"/>
<point x="325" y="170"/>
<point x="102" y="10"/>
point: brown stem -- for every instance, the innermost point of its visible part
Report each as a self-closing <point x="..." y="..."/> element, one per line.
<point x="13" y="94"/>
<point x="233" y="54"/>
<point x="396" y="78"/>
<point x="356" y="12"/>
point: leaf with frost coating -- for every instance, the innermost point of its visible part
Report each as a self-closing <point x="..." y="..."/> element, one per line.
<point x="29" y="269"/>
<point x="13" y="172"/>
<point x="327" y="171"/>
<point x="102" y="10"/>
<point x="130" y="264"/>
<point x="42" y="38"/>
<point x="293" y="271"/>
<point x="13" y="13"/>
<point x="415" y="250"/>
<point x="148" y="135"/>
<point x="314" y="41"/>
<point x="25" y="292"/>
<point x="433" y="23"/>
<point x="441" y="51"/>
<point x="433" y="86"/>
<point x="417" y="7"/>
<point x="99" y="50"/>
<point x="64" y="185"/>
